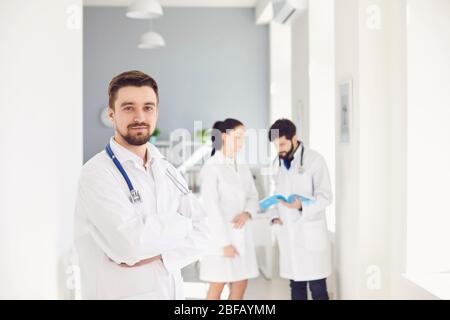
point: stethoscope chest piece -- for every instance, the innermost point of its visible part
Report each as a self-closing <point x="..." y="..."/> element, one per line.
<point x="135" y="196"/>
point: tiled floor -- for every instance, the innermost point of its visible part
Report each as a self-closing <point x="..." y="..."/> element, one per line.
<point x="258" y="289"/>
<point x="262" y="289"/>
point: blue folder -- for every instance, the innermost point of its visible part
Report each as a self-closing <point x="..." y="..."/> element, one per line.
<point x="275" y="199"/>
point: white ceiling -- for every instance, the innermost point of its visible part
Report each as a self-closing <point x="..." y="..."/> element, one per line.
<point x="178" y="3"/>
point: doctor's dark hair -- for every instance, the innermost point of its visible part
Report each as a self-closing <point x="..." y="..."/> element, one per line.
<point x="130" y="79"/>
<point x="282" y="128"/>
<point x="220" y="127"/>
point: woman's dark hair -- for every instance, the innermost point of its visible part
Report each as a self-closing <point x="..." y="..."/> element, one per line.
<point x="282" y="128"/>
<point x="220" y="127"/>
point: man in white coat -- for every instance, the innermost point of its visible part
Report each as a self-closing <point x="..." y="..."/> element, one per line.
<point x="136" y="222"/>
<point x="304" y="246"/>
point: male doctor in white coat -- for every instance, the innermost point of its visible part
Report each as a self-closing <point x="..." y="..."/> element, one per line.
<point x="136" y="223"/>
<point x="305" y="256"/>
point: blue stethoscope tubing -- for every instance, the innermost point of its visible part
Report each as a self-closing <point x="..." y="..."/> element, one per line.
<point x="135" y="196"/>
<point x="119" y="167"/>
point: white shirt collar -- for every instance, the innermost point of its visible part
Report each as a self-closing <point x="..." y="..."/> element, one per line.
<point x="221" y="158"/>
<point x="123" y="154"/>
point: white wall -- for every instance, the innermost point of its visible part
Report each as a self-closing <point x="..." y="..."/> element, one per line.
<point x="214" y="48"/>
<point x="401" y="288"/>
<point x="371" y="180"/>
<point x="322" y="87"/>
<point x="428" y="136"/>
<point x="41" y="143"/>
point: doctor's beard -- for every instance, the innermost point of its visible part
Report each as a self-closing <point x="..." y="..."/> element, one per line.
<point x="137" y="138"/>
<point x="286" y="155"/>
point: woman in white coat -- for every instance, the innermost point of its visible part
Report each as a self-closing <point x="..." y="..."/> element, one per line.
<point x="230" y="199"/>
<point x="305" y="256"/>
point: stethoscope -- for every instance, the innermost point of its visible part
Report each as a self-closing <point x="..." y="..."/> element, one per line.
<point x="300" y="168"/>
<point x="134" y="194"/>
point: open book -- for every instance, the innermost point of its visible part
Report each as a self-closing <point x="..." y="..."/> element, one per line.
<point x="275" y="199"/>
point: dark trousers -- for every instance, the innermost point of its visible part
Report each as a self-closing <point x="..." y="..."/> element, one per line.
<point x="318" y="290"/>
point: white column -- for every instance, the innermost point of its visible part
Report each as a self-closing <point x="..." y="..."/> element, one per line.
<point x="347" y="160"/>
<point x="280" y="72"/>
<point x="374" y="148"/>
<point x="40" y="141"/>
<point x="280" y="75"/>
<point x="300" y="76"/>
<point x="322" y="85"/>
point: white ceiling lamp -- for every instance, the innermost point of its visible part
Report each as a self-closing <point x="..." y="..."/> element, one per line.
<point x="147" y="9"/>
<point x="151" y="40"/>
<point x="144" y="9"/>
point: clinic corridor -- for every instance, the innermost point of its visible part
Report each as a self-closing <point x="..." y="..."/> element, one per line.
<point x="252" y="149"/>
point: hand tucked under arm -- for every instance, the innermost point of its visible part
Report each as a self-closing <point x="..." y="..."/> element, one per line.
<point x="140" y="263"/>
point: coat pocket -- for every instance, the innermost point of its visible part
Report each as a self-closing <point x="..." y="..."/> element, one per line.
<point x="302" y="184"/>
<point x="238" y="240"/>
<point x="315" y="235"/>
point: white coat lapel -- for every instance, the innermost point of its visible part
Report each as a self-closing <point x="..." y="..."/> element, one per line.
<point x="158" y="170"/>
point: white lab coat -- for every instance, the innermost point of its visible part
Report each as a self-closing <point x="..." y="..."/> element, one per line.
<point x="110" y="230"/>
<point x="303" y="240"/>
<point x="227" y="189"/>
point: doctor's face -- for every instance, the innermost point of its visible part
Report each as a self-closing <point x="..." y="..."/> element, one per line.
<point x="284" y="146"/>
<point x="135" y="114"/>
<point x="233" y="140"/>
